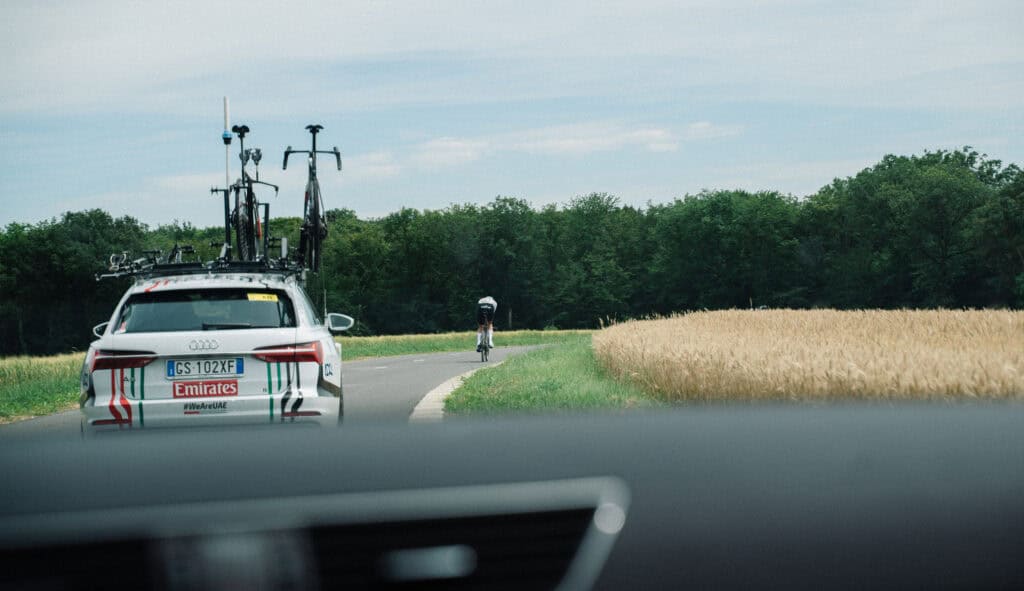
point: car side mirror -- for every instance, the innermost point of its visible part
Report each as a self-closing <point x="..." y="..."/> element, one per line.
<point x="339" y="323"/>
<point x="99" y="329"/>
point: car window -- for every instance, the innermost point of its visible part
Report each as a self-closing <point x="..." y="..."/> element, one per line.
<point x="206" y="309"/>
<point x="307" y="308"/>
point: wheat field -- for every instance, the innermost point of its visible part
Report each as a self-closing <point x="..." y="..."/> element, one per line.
<point x="809" y="355"/>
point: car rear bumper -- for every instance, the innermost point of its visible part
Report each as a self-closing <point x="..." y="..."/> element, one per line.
<point x="122" y="413"/>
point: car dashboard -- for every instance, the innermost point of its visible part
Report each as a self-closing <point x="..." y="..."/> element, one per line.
<point x="706" y="497"/>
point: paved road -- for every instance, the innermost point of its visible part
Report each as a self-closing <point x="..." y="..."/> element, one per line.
<point x="388" y="388"/>
<point x="378" y="389"/>
<point x="58" y="425"/>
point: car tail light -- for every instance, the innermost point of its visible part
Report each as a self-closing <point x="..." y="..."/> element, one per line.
<point x="121" y="359"/>
<point x="292" y="353"/>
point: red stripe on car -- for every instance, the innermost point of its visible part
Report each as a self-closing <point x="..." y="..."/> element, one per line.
<point x="124" y="401"/>
<point x="113" y="393"/>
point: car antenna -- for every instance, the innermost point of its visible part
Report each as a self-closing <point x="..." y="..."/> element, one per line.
<point x="226" y="137"/>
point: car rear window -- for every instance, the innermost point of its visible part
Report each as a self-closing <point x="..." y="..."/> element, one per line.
<point x="206" y="309"/>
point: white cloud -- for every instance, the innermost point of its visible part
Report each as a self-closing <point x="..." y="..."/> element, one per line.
<point x="588" y="138"/>
<point x="449" y="151"/>
<point x="370" y="167"/>
<point x="705" y="130"/>
<point x="564" y="140"/>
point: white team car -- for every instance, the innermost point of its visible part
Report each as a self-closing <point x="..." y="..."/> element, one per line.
<point x="213" y="349"/>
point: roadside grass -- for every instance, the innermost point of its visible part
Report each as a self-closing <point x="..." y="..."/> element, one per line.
<point x="35" y="386"/>
<point x="564" y="377"/>
<point x="384" y="346"/>
<point x="821" y="355"/>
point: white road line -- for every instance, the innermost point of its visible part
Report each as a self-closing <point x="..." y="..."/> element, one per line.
<point x="381" y="367"/>
<point x="418" y="360"/>
<point x="431" y="407"/>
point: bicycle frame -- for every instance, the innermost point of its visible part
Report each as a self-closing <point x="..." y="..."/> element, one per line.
<point x="313" y="227"/>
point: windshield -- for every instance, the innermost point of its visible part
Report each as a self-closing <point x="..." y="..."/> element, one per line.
<point x="629" y="205"/>
<point x="576" y="213"/>
<point x="206" y="309"/>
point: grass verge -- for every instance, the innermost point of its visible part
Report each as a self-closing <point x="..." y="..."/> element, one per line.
<point x="384" y="346"/>
<point x="563" y="377"/>
<point x="34" y="386"/>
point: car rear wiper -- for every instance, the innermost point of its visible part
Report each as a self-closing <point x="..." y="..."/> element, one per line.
<point x="223" y="325"/>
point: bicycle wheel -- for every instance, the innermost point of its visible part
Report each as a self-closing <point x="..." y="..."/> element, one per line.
<point x="244" y="233"/>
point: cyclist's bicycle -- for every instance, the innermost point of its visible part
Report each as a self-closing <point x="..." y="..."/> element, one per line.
<point x="485" y="327"/>
<point x="314" y="225"/>
<point x="485" y="344"/>
<point x="245" y="218"/>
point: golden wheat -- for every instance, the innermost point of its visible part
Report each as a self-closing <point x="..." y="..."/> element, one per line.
<point x="741" y="355"/>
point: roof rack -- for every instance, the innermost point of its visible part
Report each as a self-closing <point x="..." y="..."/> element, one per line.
<point x="153" y="263"/>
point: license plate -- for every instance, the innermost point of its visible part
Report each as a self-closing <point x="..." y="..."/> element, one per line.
<point x="201" y="368"/>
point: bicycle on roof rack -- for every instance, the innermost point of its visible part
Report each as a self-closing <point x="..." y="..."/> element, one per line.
<point x="252" y="240"/>
<point x="314" y="225"/>
<point x="248" y="221"/>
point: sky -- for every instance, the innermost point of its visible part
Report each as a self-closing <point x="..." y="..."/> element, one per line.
<point x="119" y="105"/>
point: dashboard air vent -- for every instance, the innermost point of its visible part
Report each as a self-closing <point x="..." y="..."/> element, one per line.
<point x="519" y="551"/>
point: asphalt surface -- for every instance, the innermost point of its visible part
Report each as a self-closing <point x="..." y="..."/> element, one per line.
<point x="388" y="388"/>
<point x="377" y="389"/>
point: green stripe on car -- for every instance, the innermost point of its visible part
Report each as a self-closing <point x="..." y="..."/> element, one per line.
<point x="142" y="394"/>
<point x="270" y="391"/>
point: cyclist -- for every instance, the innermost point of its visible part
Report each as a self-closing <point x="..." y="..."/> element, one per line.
<point x="485" y="309"/>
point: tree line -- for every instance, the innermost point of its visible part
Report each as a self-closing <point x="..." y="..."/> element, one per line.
<point x="941" y="229"/>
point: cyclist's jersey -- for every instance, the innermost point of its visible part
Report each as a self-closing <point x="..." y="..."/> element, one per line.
<point x="485" y="309"/>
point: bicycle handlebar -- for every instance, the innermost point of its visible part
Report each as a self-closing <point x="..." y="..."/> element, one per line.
<point x="288" y="151"/>
<point x="313" y="129"/>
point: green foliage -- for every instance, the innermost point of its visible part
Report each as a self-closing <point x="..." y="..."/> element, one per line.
<point x="355" y="347"/>
<point x="727" y="249"/>
<point x="943" y="228"/>
<point x="50" y="295"/>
